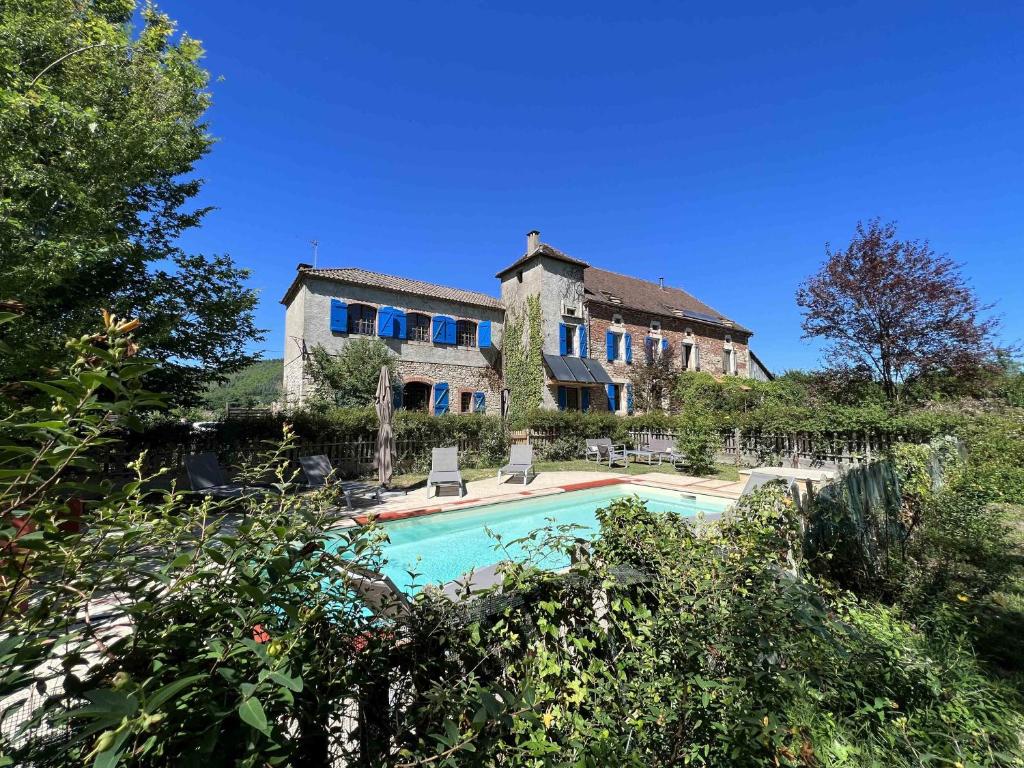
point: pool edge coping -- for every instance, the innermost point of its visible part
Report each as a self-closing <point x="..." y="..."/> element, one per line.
<point x="387" y="516"/>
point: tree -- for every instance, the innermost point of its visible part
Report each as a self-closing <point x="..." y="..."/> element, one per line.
<point x="654" y="381"/>
<point x="896" y="308"/>
<point x="100" y="131"/>
<point x="349" y="379"/>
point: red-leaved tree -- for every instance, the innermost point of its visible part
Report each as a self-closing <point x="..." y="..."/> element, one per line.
<point x="897" y="308"/>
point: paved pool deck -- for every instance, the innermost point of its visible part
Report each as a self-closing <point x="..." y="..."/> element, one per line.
<point x="492" y="491"/>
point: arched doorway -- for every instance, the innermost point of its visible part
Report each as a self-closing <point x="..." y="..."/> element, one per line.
<point x="416" y="396"/>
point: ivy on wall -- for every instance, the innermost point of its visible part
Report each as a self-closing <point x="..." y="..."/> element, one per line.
<point x="522" y="361"/>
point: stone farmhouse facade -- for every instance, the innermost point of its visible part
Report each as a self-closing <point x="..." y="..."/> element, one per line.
<point x="596" y="326"/>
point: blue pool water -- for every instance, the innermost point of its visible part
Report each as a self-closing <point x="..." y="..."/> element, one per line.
<point x="446" y="545"/>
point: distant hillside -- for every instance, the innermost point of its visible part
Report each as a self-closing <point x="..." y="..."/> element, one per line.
<point x="259" y="384"/>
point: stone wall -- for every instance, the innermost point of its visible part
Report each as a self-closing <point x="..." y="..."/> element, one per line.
<point x="709" y="339"/>
<point x="558" y="284"/>
<point x="460" y="378"/>
<point x="307" y="320"/>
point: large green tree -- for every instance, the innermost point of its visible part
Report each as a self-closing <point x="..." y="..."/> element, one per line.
<point x="101" y="125"/>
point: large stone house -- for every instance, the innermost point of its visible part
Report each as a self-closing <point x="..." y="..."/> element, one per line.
<point x="596" y="326"/>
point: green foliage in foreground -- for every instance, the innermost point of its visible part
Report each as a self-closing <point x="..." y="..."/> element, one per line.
<point x="256" y="385"/>
<point x="663" y="645"/>
<point x="716" y="649"/>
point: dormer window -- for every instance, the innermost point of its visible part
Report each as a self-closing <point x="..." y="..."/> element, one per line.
<point x="570" y="310"/>
<point x="616" y="319"/>
<point x="656" y="327"/>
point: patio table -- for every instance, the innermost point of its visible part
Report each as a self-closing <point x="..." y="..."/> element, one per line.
<point x="643" y="453"/>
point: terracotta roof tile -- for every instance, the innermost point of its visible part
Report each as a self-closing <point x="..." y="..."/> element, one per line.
<point x="621" y="290"/>
<point x="356" y="276"/>
<point x="543" y="250"/>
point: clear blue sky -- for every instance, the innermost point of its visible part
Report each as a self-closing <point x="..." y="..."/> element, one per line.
<point x="716" y="145"/>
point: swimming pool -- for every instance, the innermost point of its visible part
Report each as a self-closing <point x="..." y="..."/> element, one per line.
<point x="444" y="546"/>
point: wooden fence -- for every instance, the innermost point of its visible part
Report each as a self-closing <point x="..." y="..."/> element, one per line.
<point x="356" y="456"/>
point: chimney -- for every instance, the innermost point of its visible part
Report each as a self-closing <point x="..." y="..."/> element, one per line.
<point x="661" y="282"/>
<point x="532" y="240"/>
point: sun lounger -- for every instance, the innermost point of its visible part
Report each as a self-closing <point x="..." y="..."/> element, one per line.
<point x="444" y="469"/>
<point x="520" y="462"/>
<point x="319" y="473"/>
<point x="206" y="476"/>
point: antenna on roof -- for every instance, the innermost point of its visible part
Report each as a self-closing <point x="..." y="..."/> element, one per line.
<point x="316" y="250"/>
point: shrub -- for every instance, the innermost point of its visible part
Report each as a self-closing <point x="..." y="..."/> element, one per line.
<point x="698" y="440"/>
<point x="349" y="379"/>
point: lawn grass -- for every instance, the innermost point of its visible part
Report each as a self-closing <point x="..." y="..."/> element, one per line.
<point x="411" y="480"/>
<point x="998" y="619"/>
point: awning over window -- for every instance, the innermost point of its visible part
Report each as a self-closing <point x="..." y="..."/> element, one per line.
<point x="576" y="370"/>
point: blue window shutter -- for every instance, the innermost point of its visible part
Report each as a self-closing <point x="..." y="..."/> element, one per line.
<point x="339" y="316"/>
<point x="629" y="348"/>
<point x="444" y="330"/>
<point x="386" y="322"/>
<point x="479" y="402"/>
<point x="609" y="343"/>
<point x="583" y="341"/>
<point x="611" y="396"/>
<point x="562" y="396"/>
<point x="664" y="345"/>
<point x="440" y="398"/>
<point x="401" y="329"/>
<point x="585" y="401"/>
<point x="483" y="334"/>
<point x="561" y="338"/>
<point x="396" y="395"/>
<point x="629" y="399"/>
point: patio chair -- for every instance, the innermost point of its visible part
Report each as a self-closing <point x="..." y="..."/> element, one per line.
<point x="613" y="454"/>
<point x="319" y="473"/>
<point x="664" y="448"/>
<point x="206" y="476"/>
<point x="520" y="462"/>
<point x="444" y="469"/>
<point x="593" y="450"/>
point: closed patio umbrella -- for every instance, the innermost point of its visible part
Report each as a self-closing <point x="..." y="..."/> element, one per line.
<point x="385" y="405"/>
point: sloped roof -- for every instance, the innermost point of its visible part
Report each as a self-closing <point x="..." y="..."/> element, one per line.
<point x="356" y="276"/>
<point x="633" y="293"/>
<point x="543" y="250"/>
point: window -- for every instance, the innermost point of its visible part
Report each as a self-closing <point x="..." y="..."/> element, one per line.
<point x="465" y="402"/>
<point x="572" y="399"/>
<point x="615" y="346"/>
<point x="419" y="327"/>
<point x="416" y="396"/>
<point x="614" y="392"/>
<point x="362" y="319"/>
<point x="688" y="356"/>
<point x="729" y="362"/>
<point x="465" y="333"/>
<point x="570" y="340"/>
<point x="656" y="326"/>
<point x="616" y="319"/>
